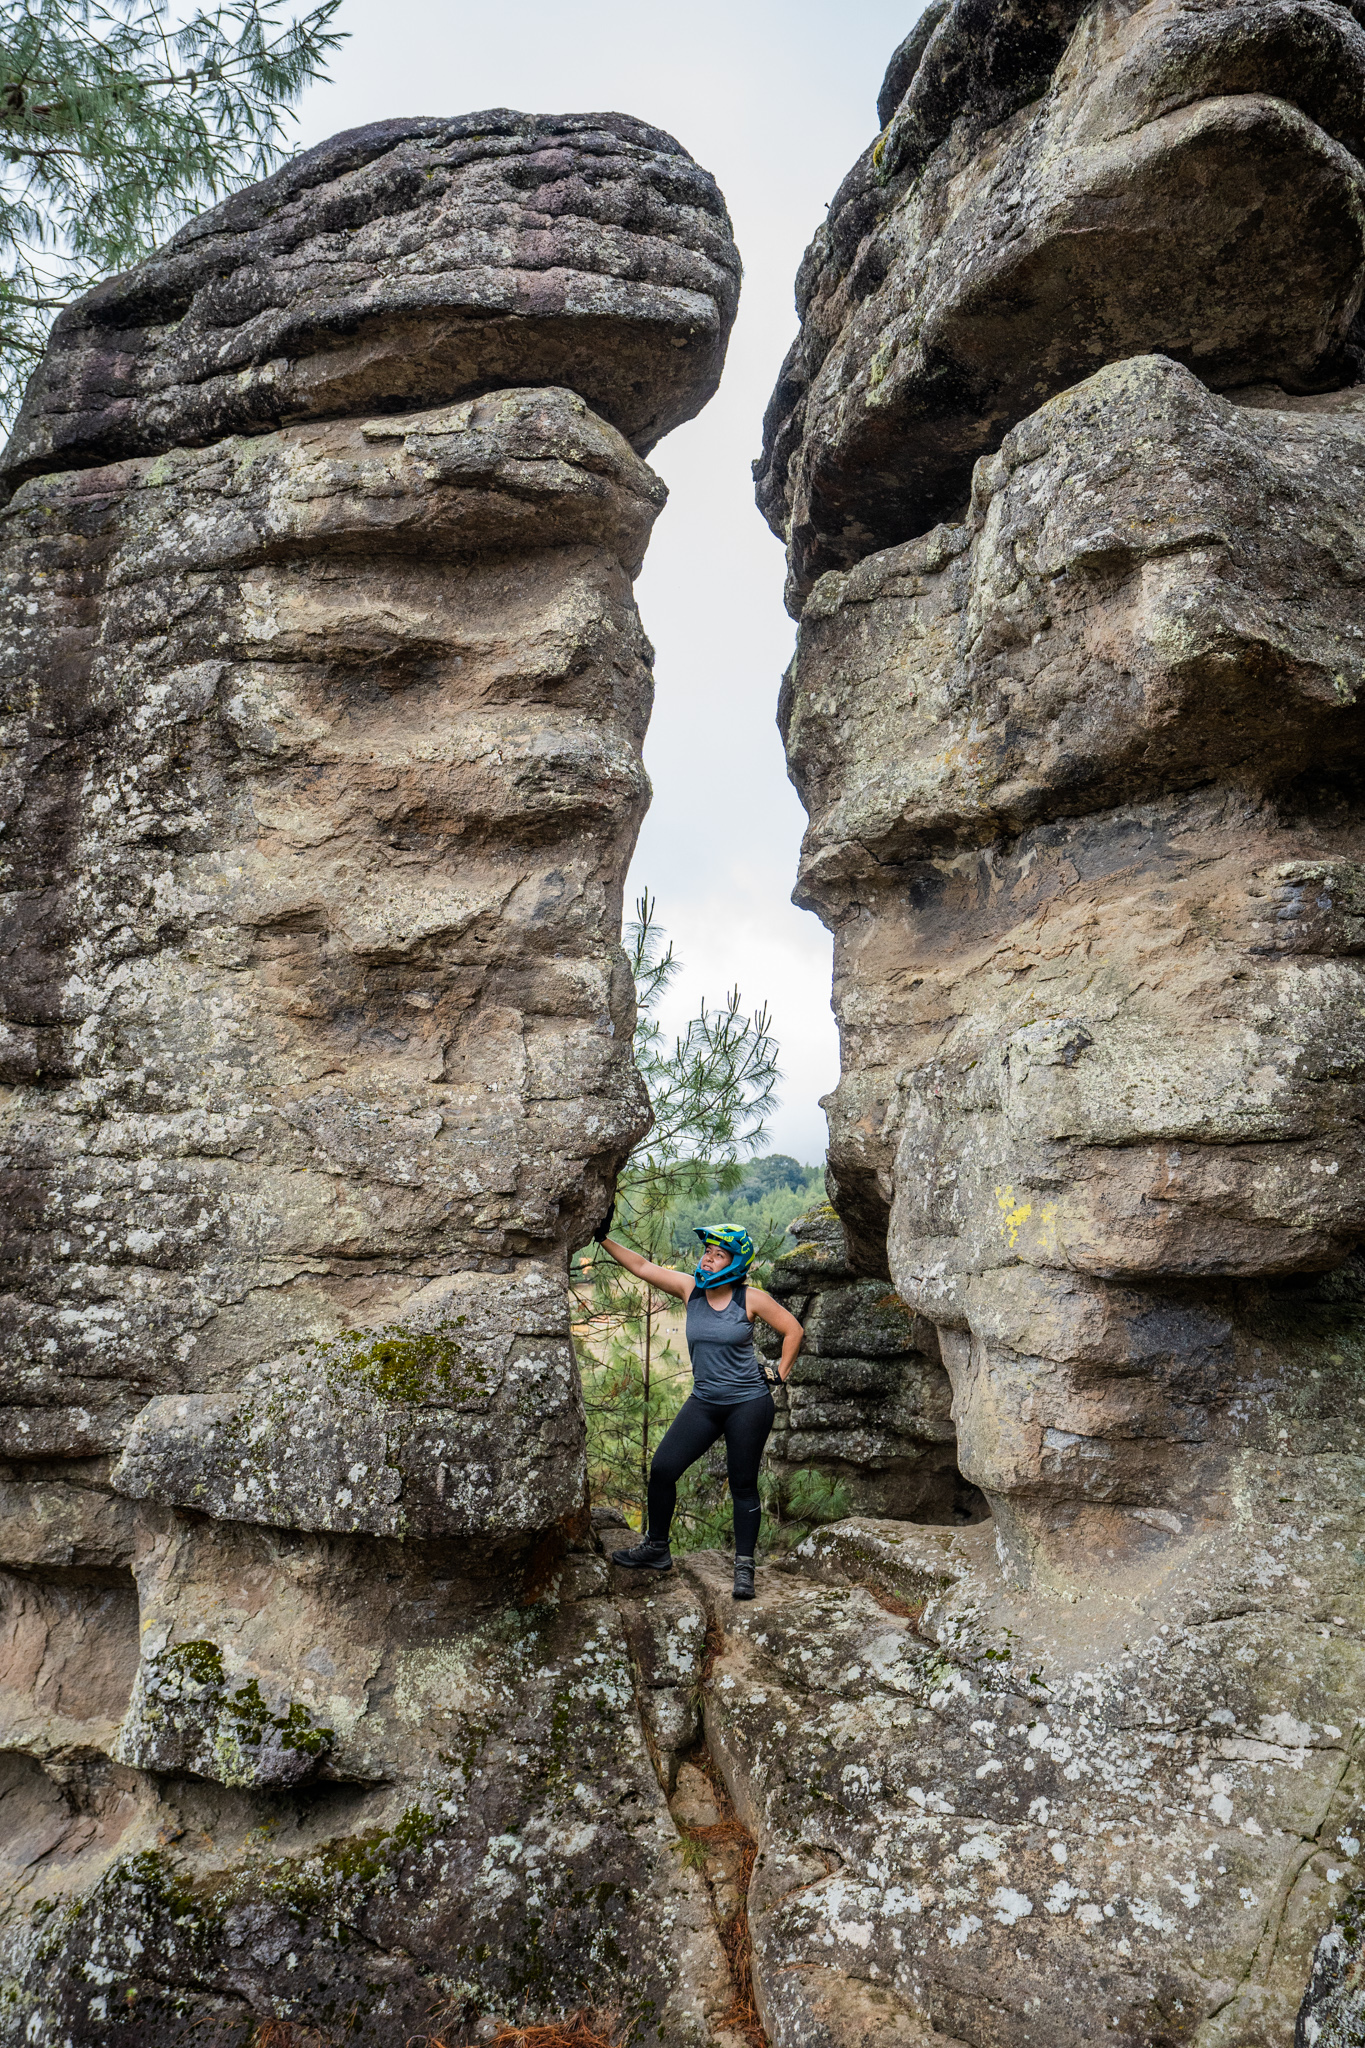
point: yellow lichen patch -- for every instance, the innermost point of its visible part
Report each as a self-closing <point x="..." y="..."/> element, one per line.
<point x="1013" y="1215"/>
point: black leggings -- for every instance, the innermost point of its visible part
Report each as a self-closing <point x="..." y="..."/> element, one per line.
<point x="745" y="1427"/>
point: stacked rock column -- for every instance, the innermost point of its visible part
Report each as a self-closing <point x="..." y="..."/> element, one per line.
<point x="326" y="692"/>
<point x="867" y="1403"/>
<point x="1071" y="486"/>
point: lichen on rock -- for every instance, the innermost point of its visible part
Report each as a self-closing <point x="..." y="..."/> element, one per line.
<point x="324" y="696"/>
<point x="1072" y="498"/>
<point x="186" y="1716"/>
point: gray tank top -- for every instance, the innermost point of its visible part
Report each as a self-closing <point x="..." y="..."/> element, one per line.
<point x="725" y="1365"/>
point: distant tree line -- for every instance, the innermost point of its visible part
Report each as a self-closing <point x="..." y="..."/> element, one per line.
<point x="775" y="1190"/>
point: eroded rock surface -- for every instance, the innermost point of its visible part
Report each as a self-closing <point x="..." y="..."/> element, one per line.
<point x="1057" y="187"/>
<point x="325" y="692"/>
<point x="989" y="1819"/>
<point x="388" y="1793"/>
<point x="1333" y="2011"/>
<point x="402" y="265"/>
<point x="868" y="1401"/>
<point x="1083" y="771"/>
<point x="325" y="769"/>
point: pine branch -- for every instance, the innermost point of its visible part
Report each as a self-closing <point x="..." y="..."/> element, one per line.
<point x="115" y="128"/>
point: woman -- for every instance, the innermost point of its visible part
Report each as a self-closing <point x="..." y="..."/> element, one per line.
<point x="729" y="1397"/>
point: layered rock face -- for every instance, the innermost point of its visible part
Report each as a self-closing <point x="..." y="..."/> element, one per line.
<point x="397" y="266"/>
<point x="1056" y="187"/>
<point x="1086" y="819"/>
<point x="868" y="1401"/>
<point x="325" y="693"/>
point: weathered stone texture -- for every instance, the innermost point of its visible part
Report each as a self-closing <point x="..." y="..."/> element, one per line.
<point x="868" y="1400"/>
<point x="989" y="1819"/>
<point x="1100" y="1024"/>
<point x="665" y="1625"/>
<point x="1083" y="767"/>
<point x="329" y="772"/>
<point x="1060" y="187"/>
<point x="1333" y="2011"/>
<point x="324" y="696"/>
<point x="1100" y="999"/>
<point x="465" y="1821"/>
<point x="400" y="266"/>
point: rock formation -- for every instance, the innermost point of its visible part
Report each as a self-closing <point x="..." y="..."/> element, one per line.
<point x="868" y="1401"/>
<point x="1057" y="187"/>
<point x="324" y="697"/>
<point x="1087" y="820"/>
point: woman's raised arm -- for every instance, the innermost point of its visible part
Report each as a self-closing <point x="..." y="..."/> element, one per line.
<point x="665" y="1278"/>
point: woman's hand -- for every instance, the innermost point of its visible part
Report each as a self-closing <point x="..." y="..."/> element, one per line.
<point x="663" y="1277"/>
<point x="784" y="1322"/>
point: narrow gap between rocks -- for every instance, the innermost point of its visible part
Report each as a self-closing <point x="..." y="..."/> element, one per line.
<point x="723" y="1852"/>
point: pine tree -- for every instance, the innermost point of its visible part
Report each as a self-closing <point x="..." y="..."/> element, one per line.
<point x="116" y="125"/>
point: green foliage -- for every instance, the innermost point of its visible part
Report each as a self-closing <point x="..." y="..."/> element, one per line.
<point x="765" y="1216"/>
<point x="247" y="1721"/>
<point x="116" y="125"/>
<point x="809" y="1499"/>
<point x="414" y="1828"/>
<point x="775" y="1171"/>
<point x="711" y="1092"/>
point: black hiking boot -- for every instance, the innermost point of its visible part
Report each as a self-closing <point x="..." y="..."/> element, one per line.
<point x="650" y="1554"/>
<point x="744" y="1578"/>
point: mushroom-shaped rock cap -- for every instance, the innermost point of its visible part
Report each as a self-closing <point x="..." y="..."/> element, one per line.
<point x="404" y="265"/>
<point x="1058" y="187"/>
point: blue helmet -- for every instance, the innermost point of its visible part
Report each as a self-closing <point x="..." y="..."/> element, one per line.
<point x="740" y="1246"/>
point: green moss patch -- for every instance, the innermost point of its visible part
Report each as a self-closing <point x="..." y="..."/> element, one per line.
<point x="186" y="1704"/>
<point x="396" y="1364"/>
<point x="195" y="1663"/>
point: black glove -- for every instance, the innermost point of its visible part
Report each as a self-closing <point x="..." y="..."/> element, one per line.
<point x="599" y="1235"/>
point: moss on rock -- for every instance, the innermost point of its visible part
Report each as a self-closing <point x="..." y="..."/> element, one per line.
<point x="397" y="1364"/>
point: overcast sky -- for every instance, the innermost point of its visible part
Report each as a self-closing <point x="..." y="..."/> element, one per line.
<point x="776" y="100"/>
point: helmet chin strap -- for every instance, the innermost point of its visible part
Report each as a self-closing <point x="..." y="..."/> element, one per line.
<point x="734" y="1271"/>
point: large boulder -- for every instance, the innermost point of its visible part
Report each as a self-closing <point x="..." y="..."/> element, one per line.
<point x="1083" y="768"/>
<point x="399" y="266"/>
<point x="325" y="783"/>
<point x="1056" y="188"/>
<point x="366" y="1791"/>
<point x="1109" y="657"/>
<point x="990" y="1820"/>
